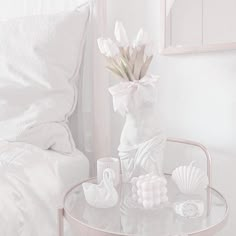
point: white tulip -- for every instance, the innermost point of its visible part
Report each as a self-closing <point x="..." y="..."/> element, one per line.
<point x="112" y="49"/>
<point x="121" y="35"/>
<point x="141" y="39"/>
<point x="107" y="47"/>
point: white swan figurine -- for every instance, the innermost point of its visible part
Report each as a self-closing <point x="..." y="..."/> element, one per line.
<point x="102" y="195"/>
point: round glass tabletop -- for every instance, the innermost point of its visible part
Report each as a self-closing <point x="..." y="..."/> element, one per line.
<point x="126" y="218"/>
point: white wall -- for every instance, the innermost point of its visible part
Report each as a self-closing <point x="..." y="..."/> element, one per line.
<point x="197" y="96"/>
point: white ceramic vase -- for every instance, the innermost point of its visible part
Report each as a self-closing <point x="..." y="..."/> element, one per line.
<point x="142" y="140"/>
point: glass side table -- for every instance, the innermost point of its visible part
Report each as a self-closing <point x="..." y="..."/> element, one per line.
<point x="128" y="219"/>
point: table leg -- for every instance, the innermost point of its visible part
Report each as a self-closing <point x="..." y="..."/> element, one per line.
<point x="60" y="223"/>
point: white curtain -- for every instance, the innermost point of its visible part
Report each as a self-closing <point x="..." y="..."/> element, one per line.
<point x="91" y="122"/>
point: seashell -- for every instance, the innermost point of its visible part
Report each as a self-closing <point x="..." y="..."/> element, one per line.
<point x="190" y="179"/>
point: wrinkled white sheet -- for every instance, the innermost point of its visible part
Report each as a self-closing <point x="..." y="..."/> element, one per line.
<point x="32" y="184"/>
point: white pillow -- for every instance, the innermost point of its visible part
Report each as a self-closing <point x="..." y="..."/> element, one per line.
<point x="40" y="57"/>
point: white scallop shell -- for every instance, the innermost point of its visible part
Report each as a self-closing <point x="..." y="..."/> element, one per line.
<point x="190" y="179"/>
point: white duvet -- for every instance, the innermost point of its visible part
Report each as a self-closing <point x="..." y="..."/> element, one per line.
<point x="32" y="185"/>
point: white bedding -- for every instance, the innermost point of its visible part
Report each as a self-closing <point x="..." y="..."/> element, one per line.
<point x="40" y="58"/>
<point x="32" y="184"/>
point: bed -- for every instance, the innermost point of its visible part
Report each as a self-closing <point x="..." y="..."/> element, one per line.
<point x="45" y="116"/>
<point x="32" y="184"/>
